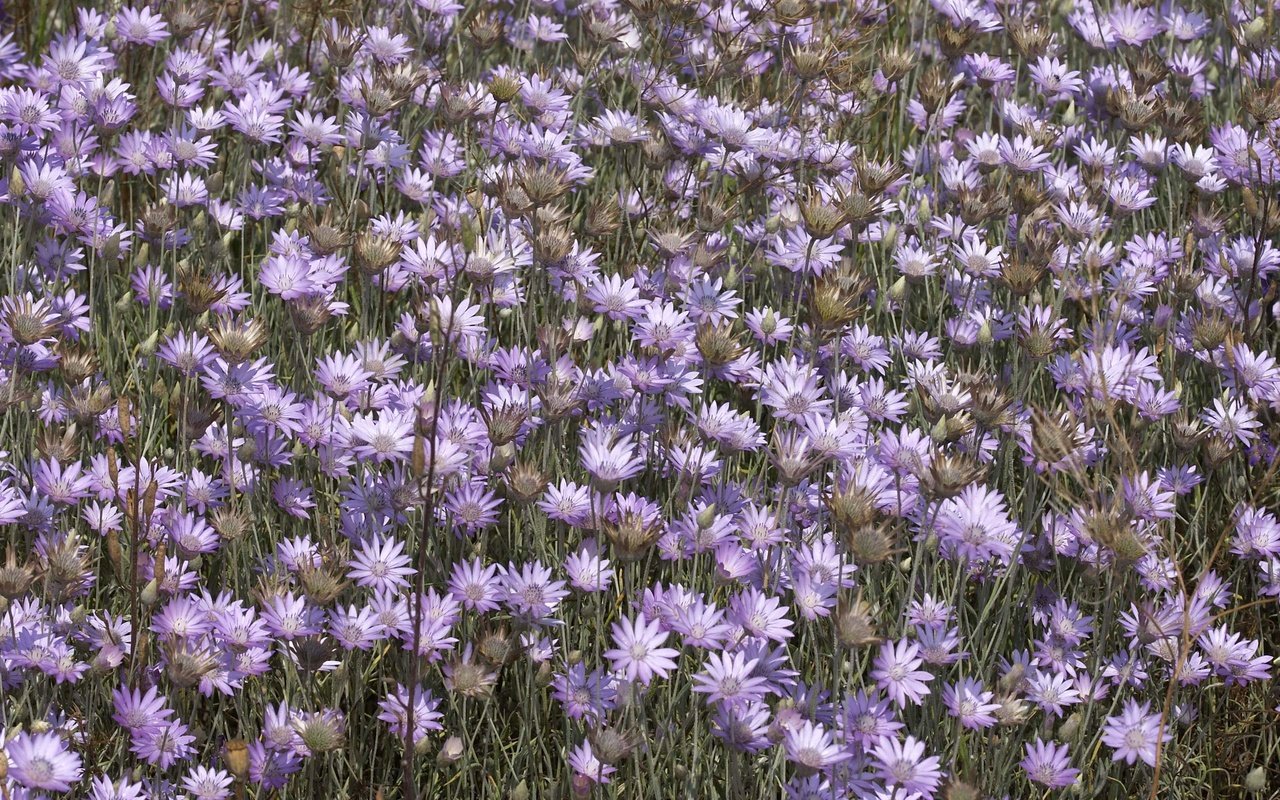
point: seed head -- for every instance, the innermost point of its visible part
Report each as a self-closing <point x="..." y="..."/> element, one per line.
<point x="855" y="625"/>
<point x="230" y="523"/>
<point x="185" y="665"/>
<point x="28" y="320"/>
<point x="470" y="678"/>
<point x="15" y="578"/>
<point x="236" y="339"/>
<point x="375" y="252"/>
<point x="320" y="732"/>
<point x="632" y="536"/>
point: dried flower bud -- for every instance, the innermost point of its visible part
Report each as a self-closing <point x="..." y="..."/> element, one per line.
<point x="869" y="544"/>
<point x="504" y="87"/>
<point x="1070" y="727"/>
<point x="185" y="665"/>
<point x="632" y="536"/>
<point x="525" y="483"/>
<point x="613" y="745"/>
<point x="542" y="183"/>
<point x="1012" y="712"/>
<point x="320" y="584"/>
<point x="312" y="653"/>
<point x="957" y="789"/>
<point x="718" y="344"/>
<point x="855" y="626"/>
<point x="375" y="252"/>
<point x="949" y="473"/>
<point x="15" y="578"/>
<point x="821" y="218"/>
<point x="309" y="313"/>
<point x="236" y="339"/>
<point x="470" y="678"/>
<point x="231" y="524"/>
<point x="321" y="732"/>
<point x="29" y="320"/>
<point x="485" y="30"/>
<point x="497" y="646"/>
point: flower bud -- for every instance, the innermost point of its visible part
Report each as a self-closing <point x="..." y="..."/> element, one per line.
<point x="1255" y="32"/>
<point x="450" y="751"/>
<point x="1070" y="727"/>
<point x="898" y="290"/>
<point x="985" y="334"/>
<point x="150" y="593"/>
<point x="148" y="346"/>
<point x="706" y="517"/>
<point x="1256" y="781"/>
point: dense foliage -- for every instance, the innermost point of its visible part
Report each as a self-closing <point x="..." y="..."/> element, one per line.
<point x="639" y="399"/>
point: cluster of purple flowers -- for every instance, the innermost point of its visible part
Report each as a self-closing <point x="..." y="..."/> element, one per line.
<point x="633" y="394"/>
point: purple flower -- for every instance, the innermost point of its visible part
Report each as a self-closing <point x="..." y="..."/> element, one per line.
<point x="968" y="702"/>
<point x="792" y="390"/>
<point x="164" y="744"/>
<point x="729" y="678"/>
<point x="1135" y="733"/>
<point x="1257" y="534"/>
<point x="897" y="672"/>
<point x="381" y="564"/>
<point x="586" y="765"/>
<point x="394" y="710"/>
<point x="271" y="768"/>
<point x="903" y="764"/>
<point x="476" y="586"/>
<point x="609" y="458"/>
<point x="208" y="784"/>
<point x="813" y="747"/>
<point x="531" y="592"/>
<point x="383" y="437"/>
<point x="761" y="615"/>
<point x="1049" y="764"/>
<point x="638" y="652"/>
<point x="42" y="761"/>
<point x="588" y="570"/>
<point x="976" y="527"/>
<point x="1234" y="658"/>
<point x="137" y="711"/>
<point x="583" y="694"/>
<point x="1232" y="420"/>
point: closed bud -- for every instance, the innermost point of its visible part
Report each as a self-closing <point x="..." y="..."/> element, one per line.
<point x="898" y="290"/>
<point x="17" y="185"/>
<point x="450" y="752"/>
<point x="1256" y="781"/>
<point x="502" y="457"/>
<point x="960" y="790"/>
<point x="1070" y="727"/>
<point x="148" y="346"/>
<point x="706" y="517"/>
<point x="1255" y="32"/>
<point x="150" y="593"/>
